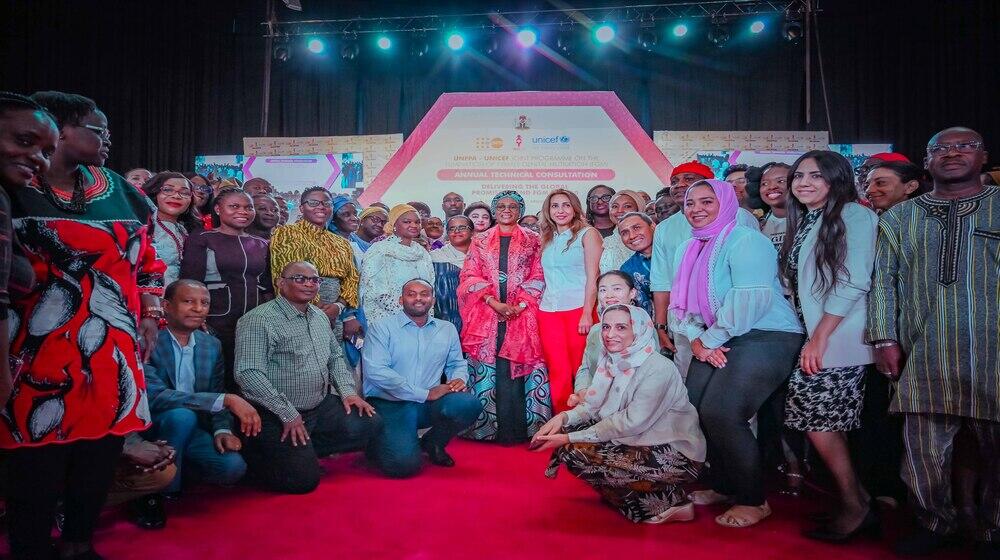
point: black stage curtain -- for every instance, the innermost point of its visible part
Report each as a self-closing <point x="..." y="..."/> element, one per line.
<point x="184" y="78"/>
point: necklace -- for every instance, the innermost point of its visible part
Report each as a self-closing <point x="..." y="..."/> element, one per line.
<point x="178" y="242"/>
<point x="78" y="202"/>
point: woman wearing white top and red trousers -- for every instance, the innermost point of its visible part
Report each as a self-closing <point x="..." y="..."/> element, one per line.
<point x="571" y="254"/>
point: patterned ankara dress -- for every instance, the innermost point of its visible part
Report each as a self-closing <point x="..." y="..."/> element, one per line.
<point x="75" y="352"/>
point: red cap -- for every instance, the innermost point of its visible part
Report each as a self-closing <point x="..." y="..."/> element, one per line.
<point x="891" y="156"/>
<point x="696" y="167"/>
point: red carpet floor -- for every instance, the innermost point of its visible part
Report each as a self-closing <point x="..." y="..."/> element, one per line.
<point x="496" y="504"/>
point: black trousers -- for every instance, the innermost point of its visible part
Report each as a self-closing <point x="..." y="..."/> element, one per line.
<point x="279" y="466"/>
<point x="80" y="472"/>
<point x="758" y="362"/>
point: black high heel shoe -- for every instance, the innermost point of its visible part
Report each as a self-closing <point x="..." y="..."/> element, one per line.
<point x="871" y="525"/>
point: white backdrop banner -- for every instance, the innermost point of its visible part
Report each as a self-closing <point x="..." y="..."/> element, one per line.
<point x="478" y="144"/>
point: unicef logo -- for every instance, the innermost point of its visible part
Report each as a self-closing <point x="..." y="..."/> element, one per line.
<point x="550" y="139"/>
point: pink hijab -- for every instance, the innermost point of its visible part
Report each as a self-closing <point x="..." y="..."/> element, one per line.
<point x="691" y="282"/>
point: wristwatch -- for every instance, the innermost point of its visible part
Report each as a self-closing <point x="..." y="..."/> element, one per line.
<point x="152" y="312"/>
<point x="660" y="326"/>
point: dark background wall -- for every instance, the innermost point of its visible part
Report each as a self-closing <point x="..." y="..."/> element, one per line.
<point x="184" y="78"/>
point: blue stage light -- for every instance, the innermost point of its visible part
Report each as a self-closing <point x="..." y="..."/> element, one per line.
<point x="604" y="33"/>
<point x="680" y="30"/>
<point x="456" y="41"/>
<point x="315" y="45"/>
<point x="756" y="27"/>
<point x="527" y="37"/>
<point x="384" y="43"/>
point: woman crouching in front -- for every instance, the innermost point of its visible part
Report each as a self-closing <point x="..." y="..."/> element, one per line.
<point x="635" y="437"/>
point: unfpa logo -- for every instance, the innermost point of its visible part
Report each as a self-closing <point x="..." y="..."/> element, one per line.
<point x="486" y="143"/>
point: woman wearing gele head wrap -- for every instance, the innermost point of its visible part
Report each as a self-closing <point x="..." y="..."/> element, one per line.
<point x="635" y="437"/>
<point x="392" y="262"/>
<point x="728" y="301"/>
<point x="498" y="292"/>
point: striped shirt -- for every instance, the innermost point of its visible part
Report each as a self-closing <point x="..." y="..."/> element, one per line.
<point x="937" y="268"/>
<point x="288" y="360"/>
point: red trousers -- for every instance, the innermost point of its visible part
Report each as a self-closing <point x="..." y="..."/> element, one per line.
<point x="562" y="348"/>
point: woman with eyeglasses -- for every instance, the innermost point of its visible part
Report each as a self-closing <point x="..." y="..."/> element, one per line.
<point x="448" y="262"/>
<point x="498" y="292"/>
<point x="571" y="254"/>
<point x="599" y="209"/>
<point x="234" y="265"/>
<point x="345" y="223"/>
<point x="392" y="262"/>
<point x="79" y="338"/>
<point x="202" y="190"/>
<point x="175" y="219"/>
<point x="372" y="227"/>
<point x="308" y="239"/>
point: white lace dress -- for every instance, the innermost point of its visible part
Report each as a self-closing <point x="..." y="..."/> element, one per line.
<point x="388" y="265"/>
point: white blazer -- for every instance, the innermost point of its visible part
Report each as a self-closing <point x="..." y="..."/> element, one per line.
<point x="849" y="297"/>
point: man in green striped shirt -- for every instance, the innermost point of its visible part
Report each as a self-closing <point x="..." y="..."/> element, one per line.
<point x="292" y="367"/>
<point x="933" y="318"/>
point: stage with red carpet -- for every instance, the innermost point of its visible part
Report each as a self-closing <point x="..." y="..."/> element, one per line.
<point x="495" y="504"/>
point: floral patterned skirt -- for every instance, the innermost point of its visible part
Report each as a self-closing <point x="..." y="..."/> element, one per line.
<point x="640" y="482"/>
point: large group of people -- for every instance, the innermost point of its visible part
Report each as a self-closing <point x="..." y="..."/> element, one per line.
<point x="671" y="351"/>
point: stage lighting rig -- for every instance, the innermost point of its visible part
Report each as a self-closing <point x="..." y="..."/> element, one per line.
<point x="792" y="30"/>
<point x="718" y="33"/>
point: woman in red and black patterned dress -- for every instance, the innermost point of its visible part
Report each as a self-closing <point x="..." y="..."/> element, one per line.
<point x="78" y="344"/>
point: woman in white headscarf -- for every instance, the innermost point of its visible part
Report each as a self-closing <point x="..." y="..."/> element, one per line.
<point x="635" y="437"/>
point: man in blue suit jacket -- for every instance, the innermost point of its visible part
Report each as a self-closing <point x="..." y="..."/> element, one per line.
<point x="185" y="380"/>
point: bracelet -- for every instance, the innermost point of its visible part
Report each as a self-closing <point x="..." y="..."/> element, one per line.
<point x="488" y="298"/>
<point x="152" y="312"/>
<point x="885" y="344"/>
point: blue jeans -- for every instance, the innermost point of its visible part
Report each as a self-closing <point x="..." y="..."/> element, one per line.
<point x="196" y="456"/>
<point x="397" y="449"/>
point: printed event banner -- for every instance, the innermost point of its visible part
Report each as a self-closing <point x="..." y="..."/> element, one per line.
<point x="478" y="144"/>
<point x="375" y="149"/>
<point x="683" y="145"/>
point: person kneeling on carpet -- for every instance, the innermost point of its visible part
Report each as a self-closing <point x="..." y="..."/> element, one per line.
<point x="292" y="367"/>
<point x="191" y="409"/>
<point x="404" y="356"/>
<point x="635" y="437"/>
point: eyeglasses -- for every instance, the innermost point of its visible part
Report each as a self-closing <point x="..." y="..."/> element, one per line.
<point x="960" y="147"/>
<point x="509" y="207"/>
<point x="182" y="193"/>
<point x="302" y="279"/>
<point x="103" y="132"/>
<point x="602" y="198"/>
<point x="317" y="203"/>
<point x="738" y="182"/>
<point x="203" y="189"/>
<point x="456" y="229"/>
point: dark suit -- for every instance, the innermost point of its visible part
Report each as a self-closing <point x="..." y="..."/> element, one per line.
<point x="182" y="418"/>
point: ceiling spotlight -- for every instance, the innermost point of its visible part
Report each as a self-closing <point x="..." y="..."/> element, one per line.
<point x="350" y="50"/>
<point x="792" y="30"/>
<point x="455" y="41"/>
<point x="383" y="42"/>
<point x="647" y="38"/>
<point x="718" y="34"/>
<point x="604" y="33"/>
<point x="756" y="27"/>
<point x="420" y="47"/>
<point x="566" y="41"/>
<point x="527" y="37"/>
<point x="491" y="44"/>
<point x="680" y="30"/>
<point x="281" y="52"/>
<point x="315" y="45"/>
<point x="293" y="5"/>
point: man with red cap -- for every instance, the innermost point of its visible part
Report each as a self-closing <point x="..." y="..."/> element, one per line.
<point x="669" y="235"/>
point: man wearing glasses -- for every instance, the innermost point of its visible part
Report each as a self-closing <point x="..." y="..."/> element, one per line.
<point x="292" y="367"/>
<point x="932" y="317"/>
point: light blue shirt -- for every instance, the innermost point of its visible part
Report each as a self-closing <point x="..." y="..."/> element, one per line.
<point x="184" y="366"/>
<point x="743" y="282"/>
<point x="403" y="361"/>
<point x="669" y="235"/>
